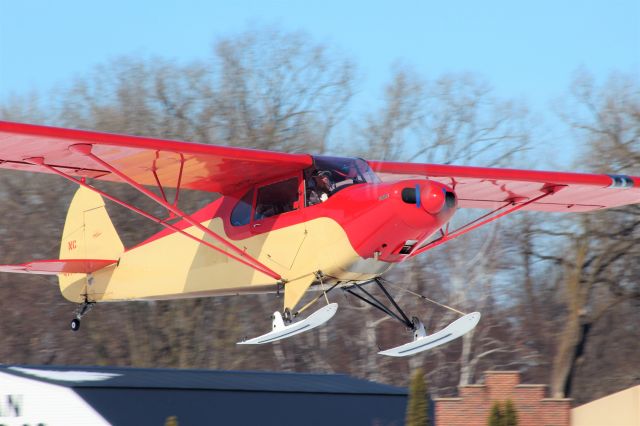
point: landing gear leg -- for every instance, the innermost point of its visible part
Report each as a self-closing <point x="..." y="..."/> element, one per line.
<point x="418" y="328"/>
<point x="287" y="316"/>
<point x="80" y="312"/>
<point x="421" y="340"/>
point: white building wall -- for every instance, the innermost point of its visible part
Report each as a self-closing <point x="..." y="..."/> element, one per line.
<point x="30" y="402"/>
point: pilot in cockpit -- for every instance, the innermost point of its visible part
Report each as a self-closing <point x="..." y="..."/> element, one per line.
<point x="321" y="186"/>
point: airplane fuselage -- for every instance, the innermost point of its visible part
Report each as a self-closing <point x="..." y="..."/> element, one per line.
<point x="355" y="235"/>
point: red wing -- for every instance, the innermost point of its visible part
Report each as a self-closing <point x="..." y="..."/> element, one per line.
<point x="58" y="266"/>
<point x="204" y="167"/>
<point x="489" y="188"/>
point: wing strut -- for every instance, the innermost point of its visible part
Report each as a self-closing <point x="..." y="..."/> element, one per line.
<point x="488" y="218"/>
<point x="241" y="255"/>
<point x="176" y="197"/>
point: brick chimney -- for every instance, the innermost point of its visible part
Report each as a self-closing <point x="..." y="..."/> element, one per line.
<point x="473" y="405"/>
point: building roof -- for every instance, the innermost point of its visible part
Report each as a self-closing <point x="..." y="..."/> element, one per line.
<point x="78" y="377"/>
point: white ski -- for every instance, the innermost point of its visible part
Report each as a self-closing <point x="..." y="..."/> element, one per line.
<point x="422" y="342"/>
<point x="282" y="331"/>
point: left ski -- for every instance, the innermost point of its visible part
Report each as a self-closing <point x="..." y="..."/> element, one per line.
<point x="281" y="331"/>
<point x="423" y="342"/>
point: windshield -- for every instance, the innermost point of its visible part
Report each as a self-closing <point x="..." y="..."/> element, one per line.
<point x="346" y="170"/>
<point x="331" y="174"/>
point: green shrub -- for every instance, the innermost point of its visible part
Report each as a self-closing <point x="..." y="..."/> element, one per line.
<point x="495" y="416"/>
<point x="418" y="404"/>
<point x="510" y="414"/>
<point x="503" y="414"/>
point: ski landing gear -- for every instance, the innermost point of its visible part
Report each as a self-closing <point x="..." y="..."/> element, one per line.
<point x="282" y="325"/>
<point x="280" y="330"/>
<point x="80" y="312"/>
<point x="421" y="340"/>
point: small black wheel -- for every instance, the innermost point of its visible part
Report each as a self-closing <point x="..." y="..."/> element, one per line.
<point x="75" y="324"/>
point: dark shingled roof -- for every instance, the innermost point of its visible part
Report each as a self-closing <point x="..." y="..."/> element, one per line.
<point x="146" y="378"/>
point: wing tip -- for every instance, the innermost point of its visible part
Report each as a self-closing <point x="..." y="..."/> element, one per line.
<point x="622" y="181"/>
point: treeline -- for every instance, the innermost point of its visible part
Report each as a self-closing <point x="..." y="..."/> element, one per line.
<point x="559" y="294"/>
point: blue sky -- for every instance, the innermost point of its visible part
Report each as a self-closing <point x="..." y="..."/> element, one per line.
<point x="528" y="50"/>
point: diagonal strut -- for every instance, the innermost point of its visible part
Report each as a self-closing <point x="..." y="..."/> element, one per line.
<point x="240" y="256"/>
<point x="477" y="223"/>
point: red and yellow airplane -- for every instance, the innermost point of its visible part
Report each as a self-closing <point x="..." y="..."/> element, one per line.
<point x="283" y="222"/>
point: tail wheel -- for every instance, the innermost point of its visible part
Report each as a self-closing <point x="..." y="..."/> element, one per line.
<point x="75" y="324"/>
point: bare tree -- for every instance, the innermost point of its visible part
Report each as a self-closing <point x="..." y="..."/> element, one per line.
<point x="601" y="268"/>
<point x="466" y="123"/>
<point x="605" y="120"/>
<point x="278" y="90"/>
<point x="385" y="133"/>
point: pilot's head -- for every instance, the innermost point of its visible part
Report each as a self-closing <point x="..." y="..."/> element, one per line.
<point x="322" y="179"/>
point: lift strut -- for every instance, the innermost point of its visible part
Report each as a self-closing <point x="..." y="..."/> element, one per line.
<point x="484" y="220"/>
<point x="237" y="255"/>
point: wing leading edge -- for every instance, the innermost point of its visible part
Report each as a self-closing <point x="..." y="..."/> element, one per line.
<point x="490" y="188"/>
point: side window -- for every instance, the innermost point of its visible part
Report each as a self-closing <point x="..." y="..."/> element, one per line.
<point x="277" y="198"/>
<point x="241" y="214"/>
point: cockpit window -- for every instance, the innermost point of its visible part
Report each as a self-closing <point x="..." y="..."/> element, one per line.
<point x="346" y="170"/>
<point x="277" y="198"/>
<point x="366" y="172"/>
<point x="331" y="174"/>
<point x="241" y="213"/>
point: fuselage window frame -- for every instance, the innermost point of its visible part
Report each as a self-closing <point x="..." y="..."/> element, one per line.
<point x="243" y="210"/>
<point x="267" y="208"/>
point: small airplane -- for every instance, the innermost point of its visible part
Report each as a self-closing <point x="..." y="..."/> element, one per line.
<point x="282" y="223"/>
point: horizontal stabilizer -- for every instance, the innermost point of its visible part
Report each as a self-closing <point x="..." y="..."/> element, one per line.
<point x="58" y="266"/>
